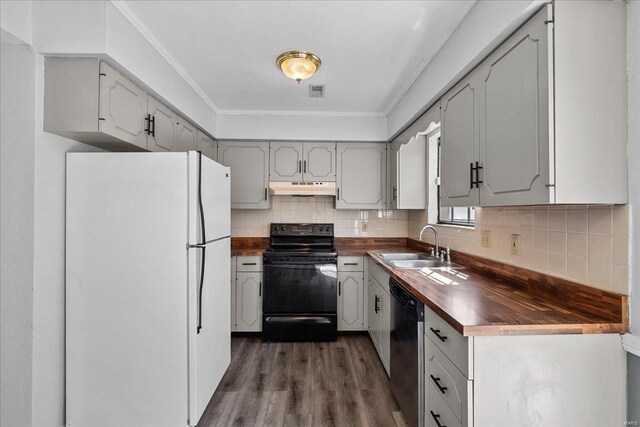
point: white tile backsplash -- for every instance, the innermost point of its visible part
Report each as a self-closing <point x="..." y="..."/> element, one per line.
<point x="585" y="244"/>
<point x="348" y="223"/>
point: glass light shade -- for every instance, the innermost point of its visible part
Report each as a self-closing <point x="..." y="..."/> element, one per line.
<point x="298" y="65"/>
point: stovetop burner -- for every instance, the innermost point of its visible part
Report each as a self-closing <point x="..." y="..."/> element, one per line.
<point x="301" y="240"/>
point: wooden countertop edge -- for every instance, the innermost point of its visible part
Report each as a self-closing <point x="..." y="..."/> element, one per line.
<point x="509" y="329"/>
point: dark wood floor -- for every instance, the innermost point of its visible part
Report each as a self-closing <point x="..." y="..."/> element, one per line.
<point x="341" y="383"/>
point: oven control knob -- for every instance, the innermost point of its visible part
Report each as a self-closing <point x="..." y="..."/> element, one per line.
<point x="321" y="229"/>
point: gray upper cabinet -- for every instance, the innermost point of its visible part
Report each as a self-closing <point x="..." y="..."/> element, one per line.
<point x="361" y="175"/>
<point x="514" y="137"/>
<point x="123" y="106"/>
<point x="208" y="146"/>
<point x="522" y="128"/>
<point x="285" y="161"/>
<point x="407" y="169"/>
<point x="459" y="146"/>
<point x="88" y="101"/>
<point x="163" y="127"/>
<point x="319" y="162"/>
<point x="249" y="163"/>
<point x="187" y="136"/>
<point x="297" y="161"/>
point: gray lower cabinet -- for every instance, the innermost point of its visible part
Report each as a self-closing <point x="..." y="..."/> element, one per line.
<point x="351" y="293"/>
<point x="208" y="146"/>
<point x="249" y="163"/>
<point x="479" y="380"/>
<point x="187" y="136"/>
<point x="361" y="178"/>
<point x="379" y="313"/>
<point x="248" y="294"/>
<point x="302" y="161"/>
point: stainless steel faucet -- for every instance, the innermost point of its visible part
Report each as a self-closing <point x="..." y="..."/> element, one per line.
<point x="435" y="233"/>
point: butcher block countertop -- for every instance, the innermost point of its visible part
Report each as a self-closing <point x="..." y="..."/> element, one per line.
<point x="490" y="298"/>
<point x="487" y="297"/>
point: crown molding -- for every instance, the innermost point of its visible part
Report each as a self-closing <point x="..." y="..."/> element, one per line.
<point x="300" y="113"/>
<point x="159" y="47"/>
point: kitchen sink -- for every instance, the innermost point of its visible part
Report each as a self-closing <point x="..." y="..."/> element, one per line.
<point x="403" y="256"/>
<point x="424" y="263"/>
<point x="416" y="261"/>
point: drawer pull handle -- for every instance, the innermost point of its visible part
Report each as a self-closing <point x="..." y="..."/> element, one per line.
<point x="249" y="263"/>
<point x="437" y="382"/>
<point x="437" y="333"/>
<point x="435" y="418"/>
<point x="350" y="263"/>
<point x="377" y="307"/>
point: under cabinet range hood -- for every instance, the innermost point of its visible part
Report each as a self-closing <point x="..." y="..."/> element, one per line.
<point x="302" y="188"/>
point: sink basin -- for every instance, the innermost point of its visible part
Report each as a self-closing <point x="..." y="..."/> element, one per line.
<point x="423" y="263"/>
<point x="416" y="261"/>
<point x="403" y="256"/>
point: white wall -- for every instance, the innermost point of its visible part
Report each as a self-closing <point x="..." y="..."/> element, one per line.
<point x="302" y="127"/>
<point x="486" y="25"/>
<point x="49" y="280"/>
<point x="17" y="148"/>
<point x="15" y="19"/>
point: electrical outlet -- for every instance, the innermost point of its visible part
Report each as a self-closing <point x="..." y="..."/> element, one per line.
<point x="515" y="244"/>
<point x="365" y="225"/>
<point x="485" y="238"/>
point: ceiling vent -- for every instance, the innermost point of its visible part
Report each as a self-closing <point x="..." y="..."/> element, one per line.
<point x="316" y="91"/>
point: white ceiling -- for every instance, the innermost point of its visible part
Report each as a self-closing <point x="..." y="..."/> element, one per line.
<point x="371" y="51"/>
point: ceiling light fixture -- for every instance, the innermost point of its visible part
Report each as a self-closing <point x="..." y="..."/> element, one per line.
<point x="298" y="64"/>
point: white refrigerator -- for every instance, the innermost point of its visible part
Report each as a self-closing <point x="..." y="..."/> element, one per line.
<point x="148" y="333"/>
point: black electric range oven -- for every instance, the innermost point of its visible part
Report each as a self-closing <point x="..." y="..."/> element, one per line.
<point x="300" y="268"/>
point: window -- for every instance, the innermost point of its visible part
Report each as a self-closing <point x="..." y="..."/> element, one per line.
<point x="464" y="216"/>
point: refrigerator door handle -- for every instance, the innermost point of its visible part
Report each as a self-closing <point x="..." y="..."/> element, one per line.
<point x="204" y="241"/>
<point x="205" y="244"/>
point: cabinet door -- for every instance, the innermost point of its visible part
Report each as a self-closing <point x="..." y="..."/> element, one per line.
<point x="350" y="301"/>
<point x="459" y="145"/>
<point x="392" y="161"/>
<point x="319" y="162"/>
<point x="385" y="328"/>
<point x="249" y="302"/>
<point x="361" y="175"/>
<point x="208" y="146"/>
<point x="374" y="318"/>
<point x="249" y="163"/>
<point x="285" y="161"/>
<point x="163" y="127"/>
<point x="123" y="108"/>
<point x="514" y="124"/>
<point x="411" y="169"/>
<point x="187" y="136"/>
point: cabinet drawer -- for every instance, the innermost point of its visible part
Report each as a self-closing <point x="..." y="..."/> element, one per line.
<point x="249" y="263"/>
<point x="350" y="263"/>
<point x="455" y="346"/>
<point x="447" y="380"/>
<point x="437" y="413"/>
<point x="379" y="274"/>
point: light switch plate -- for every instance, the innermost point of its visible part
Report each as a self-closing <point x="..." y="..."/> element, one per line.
<point x="485" y="238"/>
<point x="515" y="244"/>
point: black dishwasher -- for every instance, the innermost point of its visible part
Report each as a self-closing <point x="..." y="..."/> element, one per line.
<point x="407" y="354"/>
